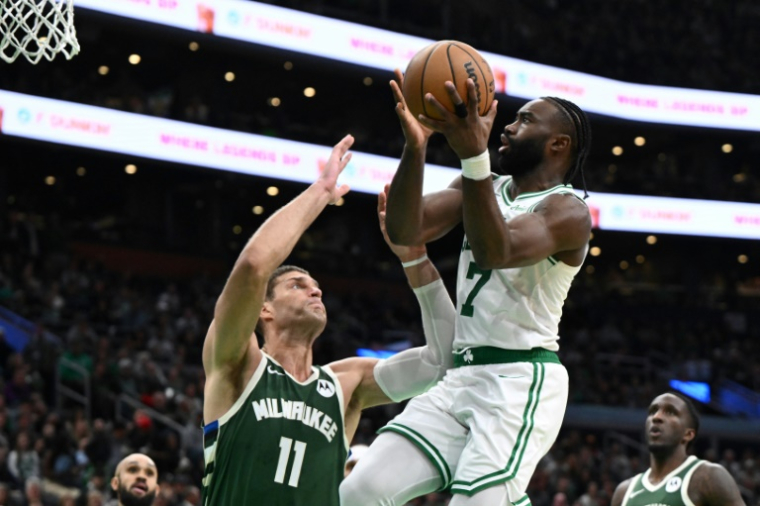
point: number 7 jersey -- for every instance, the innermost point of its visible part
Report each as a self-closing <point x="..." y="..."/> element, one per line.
<point x="518" y="308"/>
<point x="281" y="444"/>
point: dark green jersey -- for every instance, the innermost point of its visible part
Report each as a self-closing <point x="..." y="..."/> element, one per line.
<point x="671" y="491"/>
<point x="281" y="444"/>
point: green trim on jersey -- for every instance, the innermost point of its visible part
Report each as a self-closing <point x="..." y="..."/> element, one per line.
<point x="484" y="355"/>
<point x="425" y="447"/>
<point x="523" y="501"/>
<point x="671" y="491"/>
<point x="515" y="459"/>
<point x="282" y="443"/>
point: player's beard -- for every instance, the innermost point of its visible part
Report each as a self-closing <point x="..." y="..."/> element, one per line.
<point x="522" y="157"/>
<point x="127" y="498"/>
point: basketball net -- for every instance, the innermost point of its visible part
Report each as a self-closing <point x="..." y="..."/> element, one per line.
<point x="37" y="29"/>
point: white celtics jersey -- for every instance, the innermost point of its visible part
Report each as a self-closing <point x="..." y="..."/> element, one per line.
<point x="515" y="309"/>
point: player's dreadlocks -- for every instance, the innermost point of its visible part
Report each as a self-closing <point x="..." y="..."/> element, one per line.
<point x="579" y="129"/>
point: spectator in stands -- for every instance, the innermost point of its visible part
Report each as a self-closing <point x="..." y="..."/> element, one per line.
<point x="23" y="461"/>
<point x="33" y="493"/>
<point x="135" y="481"/>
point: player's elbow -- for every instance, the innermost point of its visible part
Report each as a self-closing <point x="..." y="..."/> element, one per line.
<point x="255" y="263"/>
<point x="487" y="261"/>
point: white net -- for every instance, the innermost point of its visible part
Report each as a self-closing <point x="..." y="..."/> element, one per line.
<point x="37" y="29"/>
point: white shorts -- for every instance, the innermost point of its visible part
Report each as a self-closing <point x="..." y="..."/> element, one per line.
<point x="483" y="425"/>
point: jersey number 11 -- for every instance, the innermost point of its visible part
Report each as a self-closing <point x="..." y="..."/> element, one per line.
<point x="299" y="449"/>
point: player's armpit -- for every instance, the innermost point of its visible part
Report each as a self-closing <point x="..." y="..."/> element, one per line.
<point x="559" y="225"/>
<point x="617" y="497"/>
<point x="360" y="390"/>
<point x="712" y="485"/>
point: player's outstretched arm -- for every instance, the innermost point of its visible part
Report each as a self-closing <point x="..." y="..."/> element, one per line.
<point x="412" y="218"/>
<point x="561" y="223"/>
<point x="714" y="486"/>
<point x="238" y="307"/>
<point x="369" y="382"/>
<point x="414" y="371"/>
<point x="619" y="495"/>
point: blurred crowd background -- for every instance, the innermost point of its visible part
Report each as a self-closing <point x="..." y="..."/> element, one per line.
<point x="114" y="277"/>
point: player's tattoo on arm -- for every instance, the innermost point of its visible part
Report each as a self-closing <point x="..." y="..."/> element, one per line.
<point x="716" y="487"/>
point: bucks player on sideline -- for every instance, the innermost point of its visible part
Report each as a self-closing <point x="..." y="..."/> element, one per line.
<point x="674" y="478"/>
<point x="483" y="429"/>
<point x="276" y="427"/>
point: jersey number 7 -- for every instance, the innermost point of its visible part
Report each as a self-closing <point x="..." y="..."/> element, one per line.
<point x="468" y="308"/>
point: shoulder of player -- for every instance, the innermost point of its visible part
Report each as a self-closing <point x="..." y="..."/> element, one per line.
<point x="567" y="208"/>
<point x="712" y="484"/>
<point x="563" y="201"/>
<point x="622" y="488"/>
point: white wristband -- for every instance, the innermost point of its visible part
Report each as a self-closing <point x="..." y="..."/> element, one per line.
<point x="412" y="263"/>
<point x="477" y="167"/>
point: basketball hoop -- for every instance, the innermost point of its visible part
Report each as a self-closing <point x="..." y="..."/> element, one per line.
<point x="37" y="29"/>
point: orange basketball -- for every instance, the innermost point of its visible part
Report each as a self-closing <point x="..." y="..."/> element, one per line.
<point x="446" y="60"/>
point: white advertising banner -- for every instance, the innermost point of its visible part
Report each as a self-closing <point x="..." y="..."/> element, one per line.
<point x="372" y="47"/>
<point x="174" y="141"/>
<point x="634" y="213"/>
<point x="184" y="143"/>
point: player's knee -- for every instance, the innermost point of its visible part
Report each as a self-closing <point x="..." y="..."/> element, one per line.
<point x="356" y="490"/>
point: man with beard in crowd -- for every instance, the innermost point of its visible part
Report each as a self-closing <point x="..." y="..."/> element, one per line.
<point x="135" y="481"/>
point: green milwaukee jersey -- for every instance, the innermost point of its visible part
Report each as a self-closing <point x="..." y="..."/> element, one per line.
<point x="673" y="490"/>
<point x="281" y="444"/>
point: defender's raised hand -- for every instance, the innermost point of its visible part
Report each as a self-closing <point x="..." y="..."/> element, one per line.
<point x="338" y="160"/>
<point x="466" y="134"/>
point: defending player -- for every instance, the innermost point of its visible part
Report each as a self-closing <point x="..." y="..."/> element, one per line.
<point x="675" y="478"/>
<point x="276" y="427"/>
<point x="482" y="431"/>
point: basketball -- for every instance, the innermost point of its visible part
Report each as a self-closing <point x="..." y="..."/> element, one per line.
<point x="446" y="60"/>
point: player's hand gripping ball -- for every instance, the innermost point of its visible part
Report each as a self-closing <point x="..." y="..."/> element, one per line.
<point x="447" y="60"/>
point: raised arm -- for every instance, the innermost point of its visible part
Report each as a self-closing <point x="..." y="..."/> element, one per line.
<point x="414" y="219"/>
<point x="561" y="224"/>
<point x="369" y="382"/>
<point x="237" y="310"/>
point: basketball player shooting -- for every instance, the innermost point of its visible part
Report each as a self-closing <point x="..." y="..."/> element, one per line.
<point x="674" y="478"/>
<point x="276" y="428"/>
<point x="483" y="429"/>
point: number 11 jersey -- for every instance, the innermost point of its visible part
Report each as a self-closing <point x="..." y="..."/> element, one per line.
<point x="281" y="444"/>
<point x="518" y="308"/>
